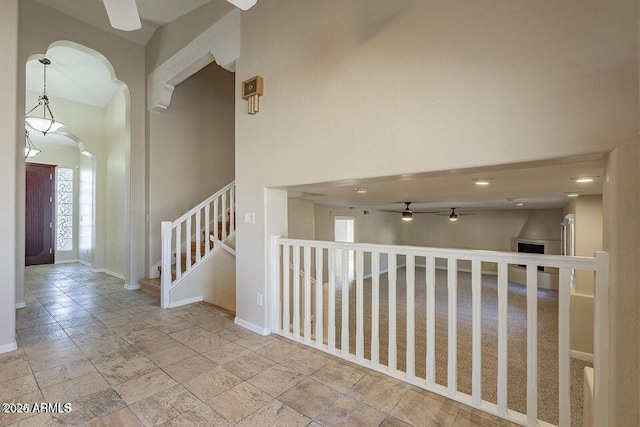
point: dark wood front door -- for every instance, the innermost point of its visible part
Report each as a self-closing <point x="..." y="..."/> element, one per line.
<point x="39" y="214"/>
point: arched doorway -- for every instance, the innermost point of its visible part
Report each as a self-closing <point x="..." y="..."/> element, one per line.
<point x="94" y="106"/>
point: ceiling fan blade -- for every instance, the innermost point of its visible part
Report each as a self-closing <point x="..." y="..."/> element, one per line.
<point x="243" y="4"/>
<point x="123" y="14"/>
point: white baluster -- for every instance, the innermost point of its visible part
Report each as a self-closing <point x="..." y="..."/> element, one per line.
<point x="286" y="323"/>
<point x="296" y="292"/>
<point x="345" y="302"/>
<point x="411" y="309"/>
<point x="503" y="294"/>
<point x="319" y="297"/>
<point x="232" y="209"/>
<point x="375" y="308"/>
<point x="359" y="306"/>
<point x="532" y="344"/>
<point x="430" y="272"/>
<point x="452" y="285"/>
<point x="207" y="230"/>
<point x="178" y="251"/>
<point x="307" y="294"/>
<point x="564" y="346"/>
<point x="198" y="236"/>
<point x="188" y="249"/>
<point x="601" y="340"/>
<point x="215" y="219"/>
<point x="224" y="217"/>
<point x="476" y="326"/>
<point x="331" y="333"/>
<point x="393" y="349"/>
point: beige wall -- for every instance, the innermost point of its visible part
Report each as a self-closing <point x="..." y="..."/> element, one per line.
<point x="191" y="153"/>
<point x="65" y="157"/>
<point x="115" y="141"/>
<point x="301" y="215"/>
<point x="12" y="153"/>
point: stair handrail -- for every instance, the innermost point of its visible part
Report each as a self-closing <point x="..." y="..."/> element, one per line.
<point x="203" y="203"/>
<point x="166" y="279"/>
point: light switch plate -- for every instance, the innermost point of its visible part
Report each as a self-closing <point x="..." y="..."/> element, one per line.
<point x="249" y="217"/>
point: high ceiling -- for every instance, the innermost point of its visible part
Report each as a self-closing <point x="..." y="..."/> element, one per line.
<point x="538" y="186"/>
<point x="153" y="13"/>
<point x="73" y="75"/>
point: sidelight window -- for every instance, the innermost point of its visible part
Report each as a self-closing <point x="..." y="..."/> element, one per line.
<point x="64" y="209"/>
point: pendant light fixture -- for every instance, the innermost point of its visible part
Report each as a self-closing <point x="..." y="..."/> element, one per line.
<point x="30" y="149"/>
<point x="43" y="124"/>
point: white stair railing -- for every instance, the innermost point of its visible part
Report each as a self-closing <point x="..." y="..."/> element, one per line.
<point x="295" y="303"/>
<point x="217" y="211"/>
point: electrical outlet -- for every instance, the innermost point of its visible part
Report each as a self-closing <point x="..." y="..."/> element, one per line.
<point x="259" y="299"/>
<point x="249" y="217"/>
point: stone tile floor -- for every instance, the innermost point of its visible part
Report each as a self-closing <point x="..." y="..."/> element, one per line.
<point x="121" y="360"/>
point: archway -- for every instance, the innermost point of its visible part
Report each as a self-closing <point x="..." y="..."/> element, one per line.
<point x="95" y="107"/>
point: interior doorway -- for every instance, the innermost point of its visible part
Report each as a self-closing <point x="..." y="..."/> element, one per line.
<point x="39" y="219"/>
<point x="344" y="231"/>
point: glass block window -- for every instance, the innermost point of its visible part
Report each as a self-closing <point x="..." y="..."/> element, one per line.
<point x="64" y="206"/>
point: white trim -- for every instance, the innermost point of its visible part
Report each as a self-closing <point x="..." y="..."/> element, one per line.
<point x="13" y="346"/>
<point x="131" y="287"/>
<point x="84" y="263"/>
<point x="67" y="261"/>
<point x="185" y="301"/>
<point x="581" y="355"/>
<point x="109" y="272"/>
<point x="20" y="305"/>
<point x="114" y="274"/>
<point x="252" y="327"/>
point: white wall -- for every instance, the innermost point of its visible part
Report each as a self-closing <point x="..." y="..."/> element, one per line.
<point x="191" y="152"/>
<point x="12" y="153"/>
<point x="65" y="157"/>
<point x="115" y="141"/>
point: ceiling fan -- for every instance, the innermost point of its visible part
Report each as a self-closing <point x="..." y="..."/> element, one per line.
<point x="123" y="14"/>
<point x="453" y="216"/>
<point x="407" y="214"/>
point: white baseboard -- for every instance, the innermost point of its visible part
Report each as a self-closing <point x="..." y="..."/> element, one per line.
<point x="67" y="261"/>
<point x="186" y="301"/>
<point x="114" y="274"/>
<point x="109" y="272"/>
<point x="21" y="305"/>
<point x="8" y="347"/>
<point x="131" y="287"/>
<point x="580" y="355"/>
<point x="253" y="328"/>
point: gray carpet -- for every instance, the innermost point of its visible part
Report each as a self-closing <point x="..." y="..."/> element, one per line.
<point x="517" y="326"/>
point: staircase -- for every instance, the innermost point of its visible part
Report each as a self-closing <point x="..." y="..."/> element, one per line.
<point x="207" y="228"/>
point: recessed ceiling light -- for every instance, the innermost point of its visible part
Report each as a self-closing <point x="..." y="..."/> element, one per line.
<point x="361" y="190"/>
<point x="583" y="179"/>
<point x="573" y="194"/>
<point x="482" y="181"/>
<point x="519" y="204"/>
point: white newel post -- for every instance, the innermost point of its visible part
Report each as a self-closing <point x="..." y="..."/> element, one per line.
<point x="601" y="341"/>
<point x="165" y="278"/>
<point x="276" y="261"/>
